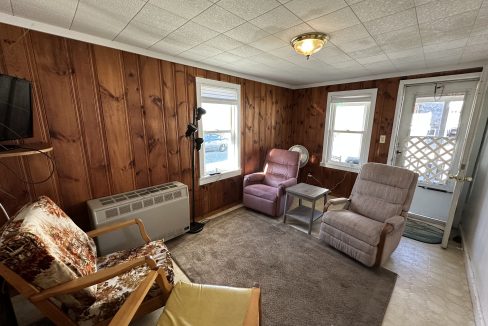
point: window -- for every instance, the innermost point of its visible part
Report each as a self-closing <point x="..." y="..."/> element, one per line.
<point x="348" y="123"/>
<point x="219" y="128"/>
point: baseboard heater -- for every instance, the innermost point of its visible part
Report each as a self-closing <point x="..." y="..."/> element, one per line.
<point x="164" y="209"/>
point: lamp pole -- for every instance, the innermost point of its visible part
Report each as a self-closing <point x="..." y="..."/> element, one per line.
<point x="195" y="227"/>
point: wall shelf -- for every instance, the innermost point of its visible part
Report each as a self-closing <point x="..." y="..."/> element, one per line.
<point x="30" y="149"/>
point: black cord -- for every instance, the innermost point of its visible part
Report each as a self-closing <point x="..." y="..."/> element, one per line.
<point x="22" y="146"/>
<point x="309" y="175"/>
<point x="340" y="182"/>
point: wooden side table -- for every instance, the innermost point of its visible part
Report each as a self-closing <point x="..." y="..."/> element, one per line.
<point x="302" y="213"/>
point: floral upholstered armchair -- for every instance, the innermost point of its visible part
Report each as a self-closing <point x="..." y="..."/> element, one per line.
<point x="54" y="264"/>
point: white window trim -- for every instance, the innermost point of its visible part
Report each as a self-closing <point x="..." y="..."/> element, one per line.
<point x="372" y="93"/>
<point x="205" y="179"/>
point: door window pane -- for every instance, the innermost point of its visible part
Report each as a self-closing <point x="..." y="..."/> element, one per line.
<point x="429" y="149"/>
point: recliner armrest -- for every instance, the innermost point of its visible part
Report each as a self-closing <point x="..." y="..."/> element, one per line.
<point x="396" y="221"/>
<point x="287" y="183"/>
<point x="336" y="201"/>
<point x="253" y="178"/>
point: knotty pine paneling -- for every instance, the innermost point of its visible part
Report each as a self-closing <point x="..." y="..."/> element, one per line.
<point x="116" y="121"/>
<point x="309" y="111"/>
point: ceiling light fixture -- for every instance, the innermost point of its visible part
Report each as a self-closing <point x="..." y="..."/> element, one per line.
<point x="309" y="43"/>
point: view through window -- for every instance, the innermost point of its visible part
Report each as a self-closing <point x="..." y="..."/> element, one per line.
<point x="431" y="144"/>
<point x="348" y="129"/>
<point x="219" y="127"/>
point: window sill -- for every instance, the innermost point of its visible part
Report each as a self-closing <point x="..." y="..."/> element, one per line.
<point x="217" y="177"/>
<point x="349" y="168"/>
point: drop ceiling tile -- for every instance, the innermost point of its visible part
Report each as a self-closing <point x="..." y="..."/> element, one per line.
<point x="276" y="20"/>
<point x="446" y="45"/>
<point x="443" y="37"/>
<point x="445" y="61"/>
<point x="6" y="7"/>
<point x="310" y="9"/>
<point x="372" y="59"/>
<point x="393" y="22"/>
<point x="443" y="8"/>
<point x="54" y="12"/>
<point x="477" y="39"/>
<point x="372" y="9"/>
<point x="408" y="60"/>
<point x="248" y="9"/>
<point x="403" y="39"/>
<point x="429" y="56"/>
<point x="472" y="56"/>
<point x="330" y="50"/>
<point x="335" y="21"/>
<point x="349" y="34"/>
<point x="478" y="47"/>
<point x="223" y="42"/>
<point x="171" y="48"/>
<point x="246" y="51"/>
<point x="139" y="34"/>
<point x="200" y="52"/>
<point x="335" y="59"/>
<point x="150" y="25"/>
<point x="187" y="9"/>
<point x="422" y="2"/>
<point x="91" y="17"/>
<point x="357" y="45"/>
<point x="347" y="65"/>
<point x="273" y="61"/>
<point x="380" y="67"/>
<point x="218" y="19"/>
<point x="456" y="22"/>
<point x="405" y="67"/>
<point x="288" y="34"/>
<point x="367" y="52"/>
<point x="269" y="43"/>
<point x="400" y="55"/>
<point x="227" y="57"/>
<point x="192" y="34"/>
<point x="285" y="52"/>
<point x="448" y="29"/>
<point x="247" y="33"/>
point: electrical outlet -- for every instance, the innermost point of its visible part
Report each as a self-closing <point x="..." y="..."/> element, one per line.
<point x="382" y="139"/>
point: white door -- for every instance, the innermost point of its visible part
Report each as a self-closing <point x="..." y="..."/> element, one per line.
<point x="431" y="140"/>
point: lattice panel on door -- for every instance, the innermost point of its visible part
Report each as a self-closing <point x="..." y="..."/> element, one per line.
<point x="430" y="156"/>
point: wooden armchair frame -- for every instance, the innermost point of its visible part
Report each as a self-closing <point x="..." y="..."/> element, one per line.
<point x="40" y="298"/>
<point x="129" y="308"/>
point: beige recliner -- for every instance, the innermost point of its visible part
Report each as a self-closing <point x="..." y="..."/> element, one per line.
<point x="371" y="224"/>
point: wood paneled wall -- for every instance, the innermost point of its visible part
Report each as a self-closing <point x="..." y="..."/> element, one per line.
<point x="117" y="121"/>
<point x="309" y="111"/>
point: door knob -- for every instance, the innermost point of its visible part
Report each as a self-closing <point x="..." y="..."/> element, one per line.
<point x="457" y="177"/>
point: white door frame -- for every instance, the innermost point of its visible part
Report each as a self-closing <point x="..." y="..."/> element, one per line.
<point x="473" y="124"/>
<point x="401" y="95"/>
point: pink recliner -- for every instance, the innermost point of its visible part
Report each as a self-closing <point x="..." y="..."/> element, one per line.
<point x="265" y="191"/>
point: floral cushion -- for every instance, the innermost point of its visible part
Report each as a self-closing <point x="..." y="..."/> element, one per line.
<point x="112" y="293"/>
<point x="45" y="247"/>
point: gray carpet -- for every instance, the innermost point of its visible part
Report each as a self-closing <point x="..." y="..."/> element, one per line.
<point x="303" y="281"/>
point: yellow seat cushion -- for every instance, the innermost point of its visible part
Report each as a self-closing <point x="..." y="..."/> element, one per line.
<point x="196" y="304"/>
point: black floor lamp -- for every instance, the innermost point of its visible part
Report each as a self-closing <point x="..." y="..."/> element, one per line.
<point x="196" y="144"/>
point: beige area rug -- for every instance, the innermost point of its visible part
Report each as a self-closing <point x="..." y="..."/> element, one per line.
<point x="303" y="281"/>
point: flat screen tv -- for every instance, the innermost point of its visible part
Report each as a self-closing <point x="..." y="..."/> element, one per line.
<point x="15" y="108"/>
